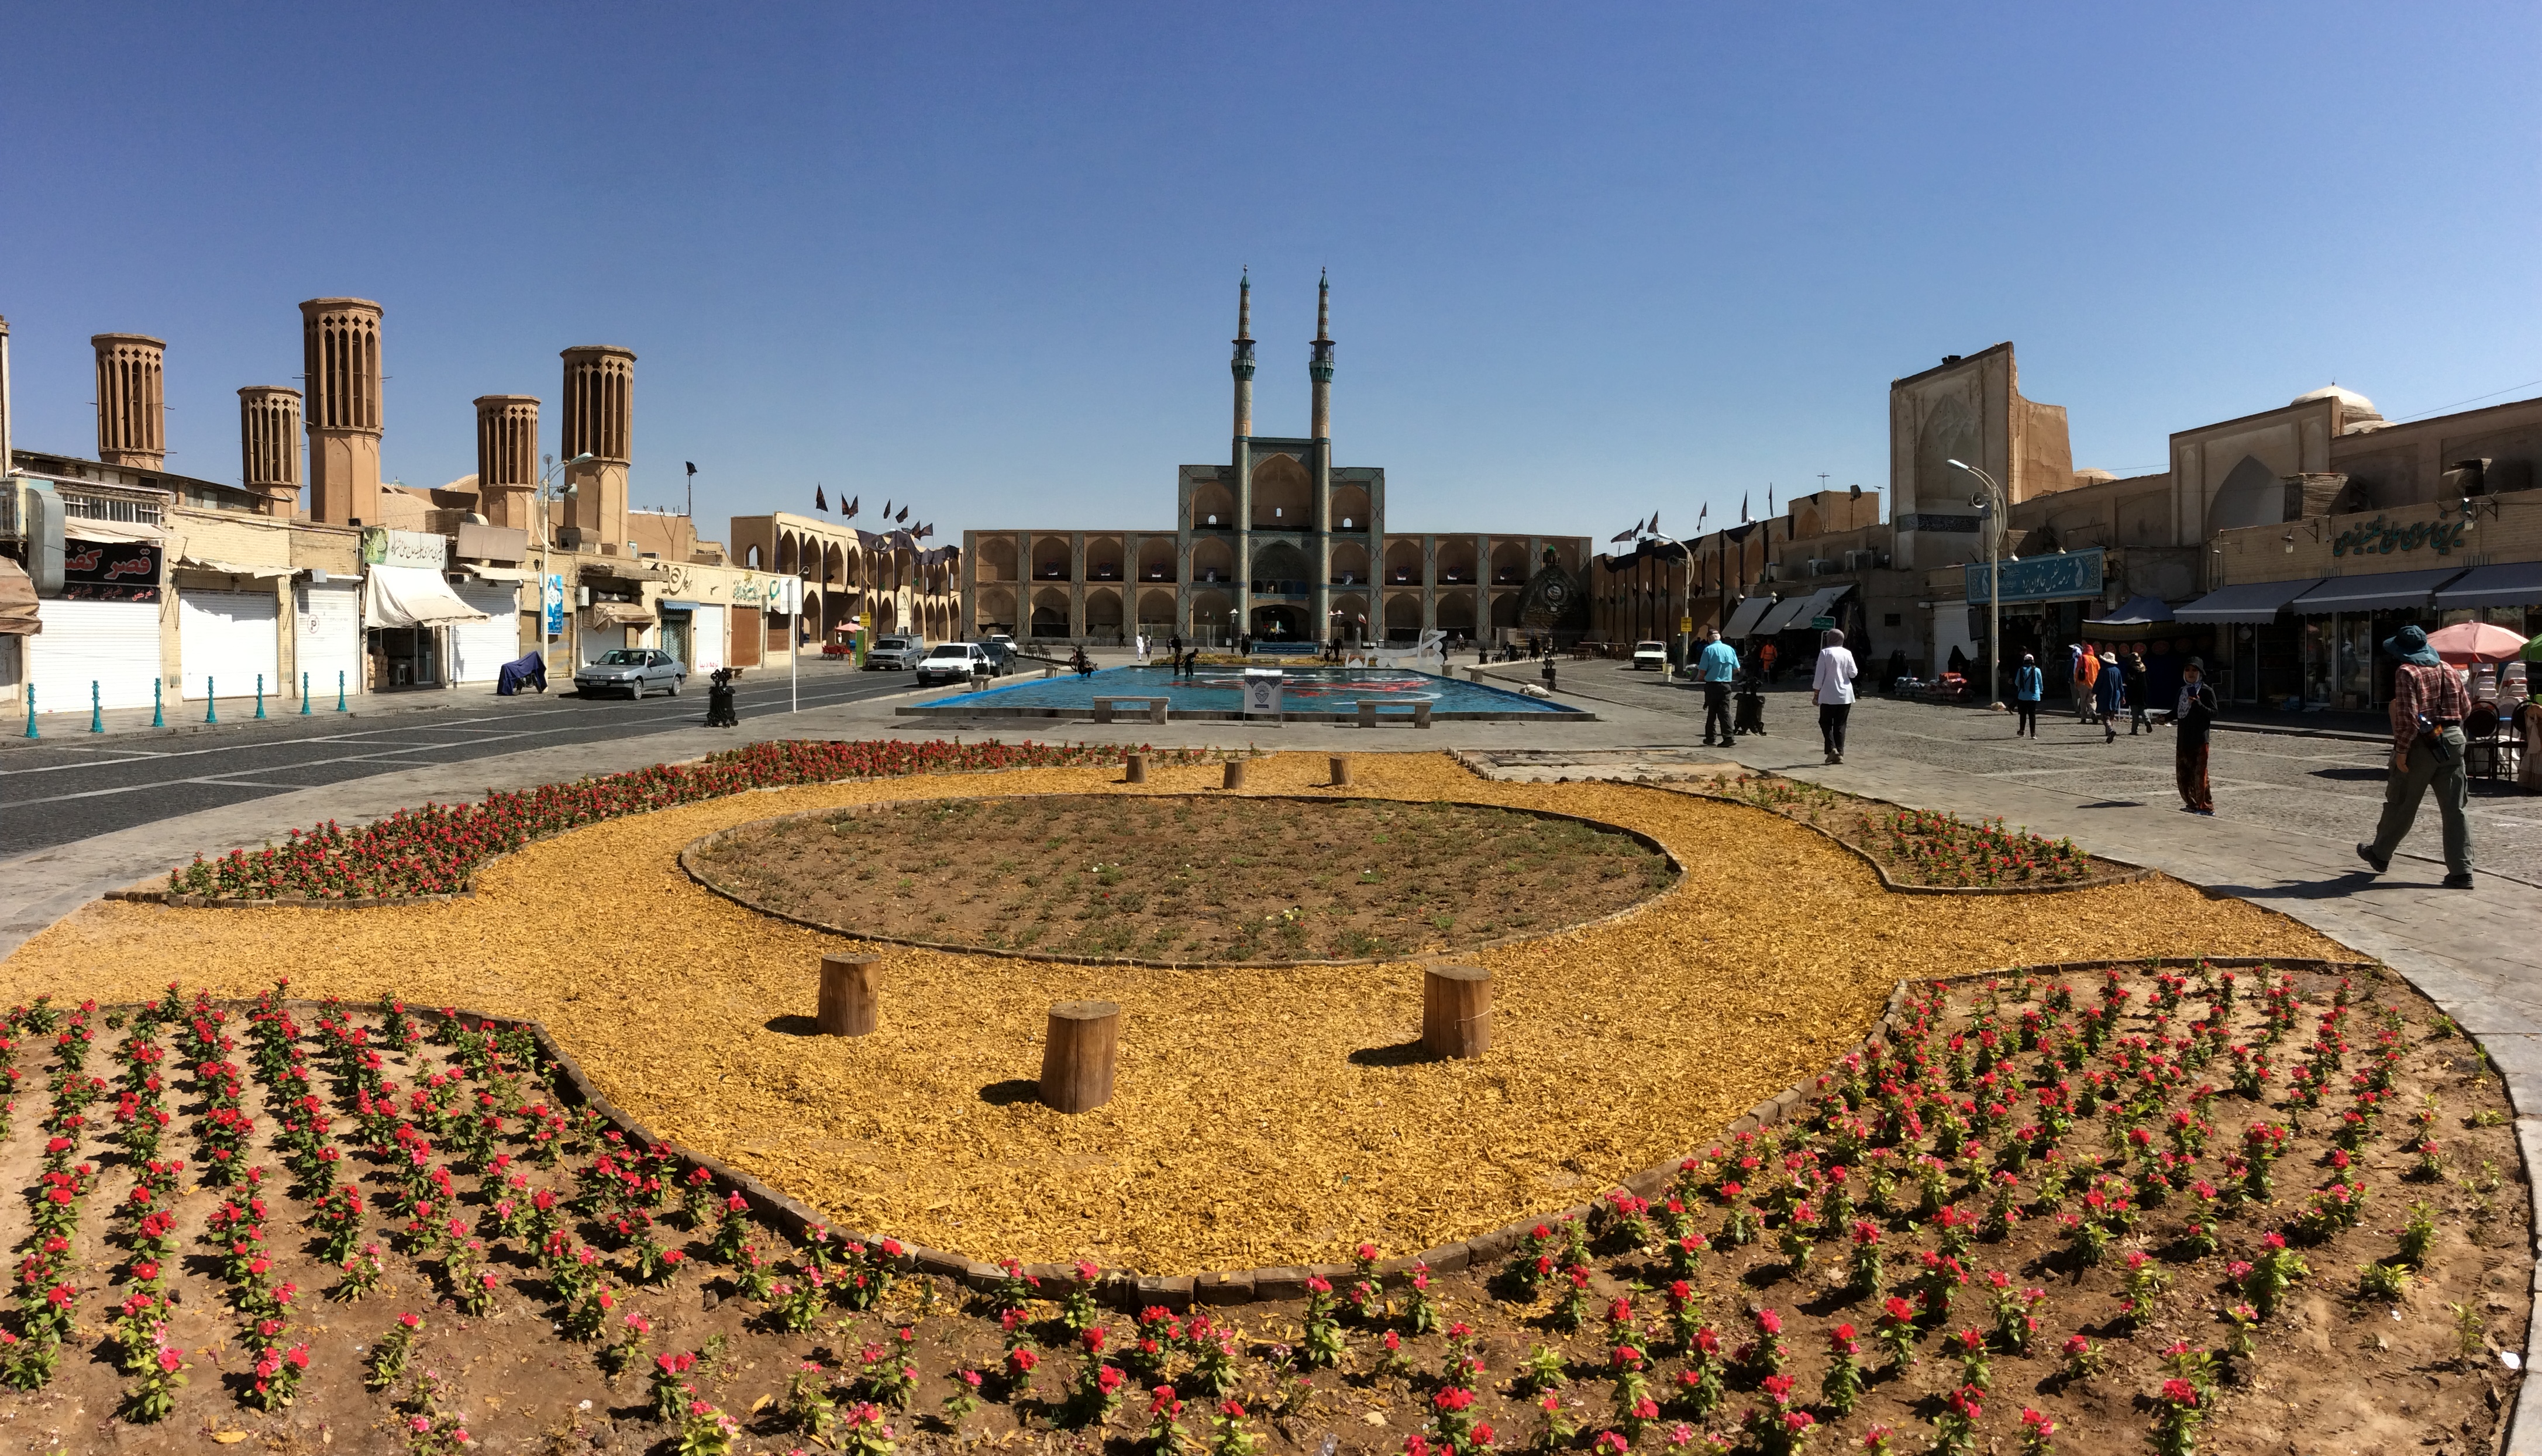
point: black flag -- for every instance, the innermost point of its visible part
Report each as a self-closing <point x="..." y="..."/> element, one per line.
<point x="1626" y="535"/>
<point x="692" y="465"/>
<point x="886" y="510"/>
<point x="818" y="502"/>
<point x="903" y="516"/>
<point x="1654" y="527"/>
<point x="852" y="505"/>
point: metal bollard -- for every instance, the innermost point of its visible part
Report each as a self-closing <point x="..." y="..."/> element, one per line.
<point x="304" y="694"/>
<point x="339" y="689"/>
<point x="95" y="712"/>
<point x="158" y="712"/>
<point x="211" y="704"/>
<point x="259" y="695"/>
<point x="30" y="712"/>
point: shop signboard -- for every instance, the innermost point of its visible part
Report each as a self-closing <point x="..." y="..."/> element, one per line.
<point x="111" y="571"/>
<point x="2063" y="577"/>
<point x="384" y="546"/>
<point x="554" y="600"/>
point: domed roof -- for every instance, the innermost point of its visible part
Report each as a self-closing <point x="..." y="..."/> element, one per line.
<point x="2348" y="400"/>
<point x="2090" y="476"/>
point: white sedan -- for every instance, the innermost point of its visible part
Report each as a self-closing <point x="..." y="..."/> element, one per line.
<point x="1651" y="655"/>
<point x="952" y="661"/>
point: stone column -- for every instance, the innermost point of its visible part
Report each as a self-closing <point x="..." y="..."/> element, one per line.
<point x="269" y="446"/>
<point x="339" y="348"/>
<point x="131" y="401"/>
<point x="507" y="458"/>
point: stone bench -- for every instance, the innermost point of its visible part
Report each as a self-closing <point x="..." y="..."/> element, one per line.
<point x="1367" y="708"/>
<point x="1155" y="707"/>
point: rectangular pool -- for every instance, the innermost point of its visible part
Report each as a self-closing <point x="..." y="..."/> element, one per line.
<point x="1316" y="693"/>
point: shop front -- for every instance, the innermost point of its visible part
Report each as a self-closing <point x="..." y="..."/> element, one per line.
<point x="408" y="610"/>
<point x="2045" y="601"/>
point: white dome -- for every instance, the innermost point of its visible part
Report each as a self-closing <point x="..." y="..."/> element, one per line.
<point x="2092" y="476"/>
<point x="2348" y="400"/>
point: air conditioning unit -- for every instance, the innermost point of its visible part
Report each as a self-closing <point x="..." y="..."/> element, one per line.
<point x="1820" y="566"/>
<point x="1770" y="571"/>
<point x="1861" y="560"/>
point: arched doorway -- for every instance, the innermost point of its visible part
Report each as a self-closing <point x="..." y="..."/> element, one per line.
<point x="1281" y="621"/>
<point x="1050" y="613"/>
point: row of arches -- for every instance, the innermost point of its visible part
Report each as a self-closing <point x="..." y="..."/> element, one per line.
<point x="1049" y="613"/>
<point x="1454" y="561"/>
<point x="1283" y="496"/>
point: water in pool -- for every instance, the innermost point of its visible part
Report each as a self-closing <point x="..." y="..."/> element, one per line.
<point x="1305" y="689"/>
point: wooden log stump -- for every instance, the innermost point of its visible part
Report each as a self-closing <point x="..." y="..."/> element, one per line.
<point x="850" y="998"/>
<point x="1455" y="1010"/>
<point x="1341" y="772"/>
<point x="1076" y="1054"/>
<point x="1134" y="771"/>
<point x="1235" y="773"/>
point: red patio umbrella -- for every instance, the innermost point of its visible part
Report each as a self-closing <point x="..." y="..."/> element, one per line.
<point x="2467" y="643"/>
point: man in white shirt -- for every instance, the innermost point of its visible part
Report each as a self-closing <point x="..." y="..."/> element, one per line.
<point x="1832" y="686"/>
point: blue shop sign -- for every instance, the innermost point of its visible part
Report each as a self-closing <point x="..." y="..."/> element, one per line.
<point x="2060" y="577"/>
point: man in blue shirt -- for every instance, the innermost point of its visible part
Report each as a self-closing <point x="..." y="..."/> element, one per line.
<point x="1720" y="666"/>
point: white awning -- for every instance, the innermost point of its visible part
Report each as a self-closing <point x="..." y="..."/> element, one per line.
<point x="497" y="573"/>
<point x="412" y="596"/>
<point x="1743" y="618"/>
<point x="232" y="568"/>
<point x="112" y="532"/>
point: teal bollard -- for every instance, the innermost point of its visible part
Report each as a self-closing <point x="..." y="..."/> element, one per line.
<point x="304" y="694"/>
<point x="339" y="689"/>
<point x="30" y="712"/>
<point x="211" y="704"/>
<point x="158" y="712"/>
<point x="95" y="712"/>
<point x="259" y="695"/>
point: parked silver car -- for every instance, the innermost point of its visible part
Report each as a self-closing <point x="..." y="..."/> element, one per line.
<point x="895" y="654"/>
<point x="633" y="671"/>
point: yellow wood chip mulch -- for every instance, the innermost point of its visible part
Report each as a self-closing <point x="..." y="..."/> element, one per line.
<point x="1261" y="1117"/>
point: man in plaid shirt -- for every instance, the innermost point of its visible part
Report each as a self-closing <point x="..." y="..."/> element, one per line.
<point x="2429" y="705"/>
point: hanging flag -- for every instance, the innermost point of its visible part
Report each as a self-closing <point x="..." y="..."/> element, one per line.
<point x="903" y="517"/>
<point x="1769" y="500"/>
<point x="1654" y="527"/>
<point x="1699" y="516"/>
<point x="1622" y="536"/>
<point x="692" y="465"/>
<point x="1743" y="507"/>
<point x="886" y="510"/>
<point x="851" y="506"/>
<point x="818" y="503"/>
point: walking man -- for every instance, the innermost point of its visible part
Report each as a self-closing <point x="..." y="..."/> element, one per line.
<point x="2087" y="672"/>
<point x="1720" y="665"/>
<point x="2429" y="705"/>
<point x="1832" y="686"/>
<point x="2028" y="684"/>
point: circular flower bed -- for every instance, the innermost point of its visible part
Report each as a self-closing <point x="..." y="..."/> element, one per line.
<point x="1183" y="879"/>
<point x="1927" y="849"/>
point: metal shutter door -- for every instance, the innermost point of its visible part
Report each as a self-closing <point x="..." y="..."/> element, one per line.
<point x="706" y="640"/>
<point x="230" y="638"/>
<point x="114" y="644"/>
<point x="484" y="646"/>
<point x="330" y="636"/>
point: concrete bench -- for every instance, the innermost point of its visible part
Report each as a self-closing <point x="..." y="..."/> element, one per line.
<point x="1367" y="708"/>
<point x="1155" y="707"/>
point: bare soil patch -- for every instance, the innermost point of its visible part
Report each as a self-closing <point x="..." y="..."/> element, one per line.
<point x="1186" y="879"/>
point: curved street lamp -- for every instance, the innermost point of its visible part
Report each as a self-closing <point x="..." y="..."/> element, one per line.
<point x="1686" y="636"/>
<point x="1992" y="503"/>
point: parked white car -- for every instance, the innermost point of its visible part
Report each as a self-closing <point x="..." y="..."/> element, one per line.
<point x="1651" y="655"/>
<point x="895" y="654"/>
<point x="952" y="661"/>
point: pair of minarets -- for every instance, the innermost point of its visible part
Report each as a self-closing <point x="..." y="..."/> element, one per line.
<point x="341" y="367"/>
<point x="1319" y="364"/>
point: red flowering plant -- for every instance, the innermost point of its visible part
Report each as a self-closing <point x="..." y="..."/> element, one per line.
<point x="154" y="1395"/>
<point x="1420" y="1307"/>
<point x="890" y="1375"/>
<point x="1228" y="1436"/>
<point x="1897" y="1332"/>
<point x="1166" y="1435"/>
<point x="1867" y="1269"/>
<point x="1701" y="1384"/>
<point x="385" y="1365"/>
<point x="1779" y="1428"/>
<point x="1366" y="1294"/>
<point x="1098" y="1381"/>
<point x="1634" y="1408"/>
<point x="1320" y="1343"/>
<point x="1841" y="1386"/>
<point x="1213" y="1352"/>
<point x="435" y="849"/>
<point x="670" y="1389"/>
<point x="1076" y="1309"/>
<point x="1955" y="1426"/>
<point x="964" y="1384"/>
<point x="1454" y="1428"/>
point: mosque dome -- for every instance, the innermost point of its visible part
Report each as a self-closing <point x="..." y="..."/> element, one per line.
<point x="2349" y="402"/>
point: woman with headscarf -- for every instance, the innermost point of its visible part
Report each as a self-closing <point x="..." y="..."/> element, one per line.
<point x="2109" y="692"/>
<point x="1832" y="686"/>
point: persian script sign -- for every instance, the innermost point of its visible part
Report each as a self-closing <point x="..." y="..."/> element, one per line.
<point x="2377" y="537"/>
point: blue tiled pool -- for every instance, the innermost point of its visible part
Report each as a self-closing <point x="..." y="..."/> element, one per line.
<point x="1219" y="691"/>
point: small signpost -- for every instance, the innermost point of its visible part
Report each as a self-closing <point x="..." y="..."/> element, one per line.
<point x="1262" y="692"/>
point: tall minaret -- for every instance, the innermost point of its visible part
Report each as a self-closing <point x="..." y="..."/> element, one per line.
<point x="1319" y="367"/>
<point x="1242" y="366"/>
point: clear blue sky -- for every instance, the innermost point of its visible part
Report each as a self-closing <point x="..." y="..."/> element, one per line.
<point x="1588" y="261"/>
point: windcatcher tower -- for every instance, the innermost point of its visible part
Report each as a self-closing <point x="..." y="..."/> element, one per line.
<point x="507" y="458"/>
<point x="269" y="446"/>
<point x="339" y="349"/>
<point x="599" y="420"/>
<point x="131" y="402"/>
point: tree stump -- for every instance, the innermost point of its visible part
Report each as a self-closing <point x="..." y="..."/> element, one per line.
<point x="1076" y="1054"/>
<point x="1134" y="771"/>
<point x="1341" y="772"/>
<point x="850" y="1002"/>
<point x="1455" y="1010"/>
<point x="1235" y="773"/>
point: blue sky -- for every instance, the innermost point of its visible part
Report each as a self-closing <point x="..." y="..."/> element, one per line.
<point x="1588" y="261"/>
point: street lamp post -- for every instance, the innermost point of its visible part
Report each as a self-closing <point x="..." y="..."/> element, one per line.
<point x="548" y="489"/>
<point x="1685" y="616"/>
<point x="1994" y="506"/>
